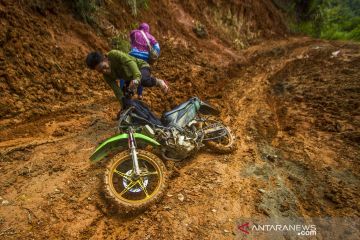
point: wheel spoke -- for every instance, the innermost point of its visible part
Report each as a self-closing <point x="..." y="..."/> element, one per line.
<point x="143" y="174"/>
<point x="141" y="183"/>
<point x="123" y="175"/>
<point x="131" y="184"/>
<point x="144" y="164"/>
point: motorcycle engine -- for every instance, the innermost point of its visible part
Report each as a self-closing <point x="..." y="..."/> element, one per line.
<point x="178" y="145"/>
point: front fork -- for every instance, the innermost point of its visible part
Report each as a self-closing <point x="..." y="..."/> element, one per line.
<point x="133" y="153"/>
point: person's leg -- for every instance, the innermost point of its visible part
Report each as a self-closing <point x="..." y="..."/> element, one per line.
<point x="139" y="91"/>
<point x="148" y="81"/>
<point x="122" y="83"/>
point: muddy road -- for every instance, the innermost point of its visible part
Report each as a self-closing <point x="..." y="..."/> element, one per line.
<point x="294" y="107"/>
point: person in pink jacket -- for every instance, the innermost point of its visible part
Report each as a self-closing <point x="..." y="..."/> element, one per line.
<point x="139" y="46"/>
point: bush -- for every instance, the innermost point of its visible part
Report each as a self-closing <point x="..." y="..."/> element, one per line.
<point x="120" y="42"/>
<point x="135" y="5"/>
<point x="355" y="33"/>
<point x="200" y="30"/>
<point x="330" y="19"/>
<point x="85" y="9"/>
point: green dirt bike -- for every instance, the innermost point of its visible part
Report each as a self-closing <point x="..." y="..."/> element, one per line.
<point x="136" y="178"/>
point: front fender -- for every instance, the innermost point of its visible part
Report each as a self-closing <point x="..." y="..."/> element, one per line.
<point x="115" y="142"/>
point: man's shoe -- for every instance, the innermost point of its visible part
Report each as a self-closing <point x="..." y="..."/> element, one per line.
<point x="163" y="85"/>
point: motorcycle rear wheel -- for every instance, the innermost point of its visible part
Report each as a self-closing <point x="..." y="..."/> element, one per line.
<point x="225" y="144"/>
<point x="128" y="193"/>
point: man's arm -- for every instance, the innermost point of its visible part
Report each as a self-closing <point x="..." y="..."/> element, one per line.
<point x="134" y="69"/>
<point x="157" y="48"/>
<point x="123" y="59"/>
<point x="116" y="89"/>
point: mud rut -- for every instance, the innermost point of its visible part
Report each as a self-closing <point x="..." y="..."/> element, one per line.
<point x="50" y="190"/>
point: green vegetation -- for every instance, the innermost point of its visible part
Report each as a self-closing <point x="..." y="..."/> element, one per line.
<point x="120" y="41"/>
<point x="200" y="30"/>
<point x="329" y="19"/>
<point x="85" y="9"/>
<point x="135" y="5"/>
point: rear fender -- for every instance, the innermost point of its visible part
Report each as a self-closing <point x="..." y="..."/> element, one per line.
<point x="207" y="109"/>
<point x="116" y="142"/>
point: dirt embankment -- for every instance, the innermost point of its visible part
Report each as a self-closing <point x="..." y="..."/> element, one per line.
<point x="42" y="52"/>
<point x="293" y="104"/>
<point x="43" y="47"/>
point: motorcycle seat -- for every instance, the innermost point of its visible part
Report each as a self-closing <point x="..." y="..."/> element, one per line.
<point x="181" y="114"/>
<point x="178" y="108"/>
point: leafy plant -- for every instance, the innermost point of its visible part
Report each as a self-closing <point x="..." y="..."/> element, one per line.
<point x="135" y="5"/>
<point x="200" y="30"/>
<point x="85" y="9"/>
<point x="120" y="42"/>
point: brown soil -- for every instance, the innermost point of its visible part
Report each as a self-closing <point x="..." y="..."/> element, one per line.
<point x="293" y="104"/>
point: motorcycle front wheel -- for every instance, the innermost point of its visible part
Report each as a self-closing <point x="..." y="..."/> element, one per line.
<point x="130" y="192"/>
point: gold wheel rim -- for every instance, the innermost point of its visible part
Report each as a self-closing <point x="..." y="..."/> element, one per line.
<point x="141" y="183"/>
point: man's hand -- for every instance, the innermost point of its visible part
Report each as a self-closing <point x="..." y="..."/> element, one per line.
<point x="133" y="85"/>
